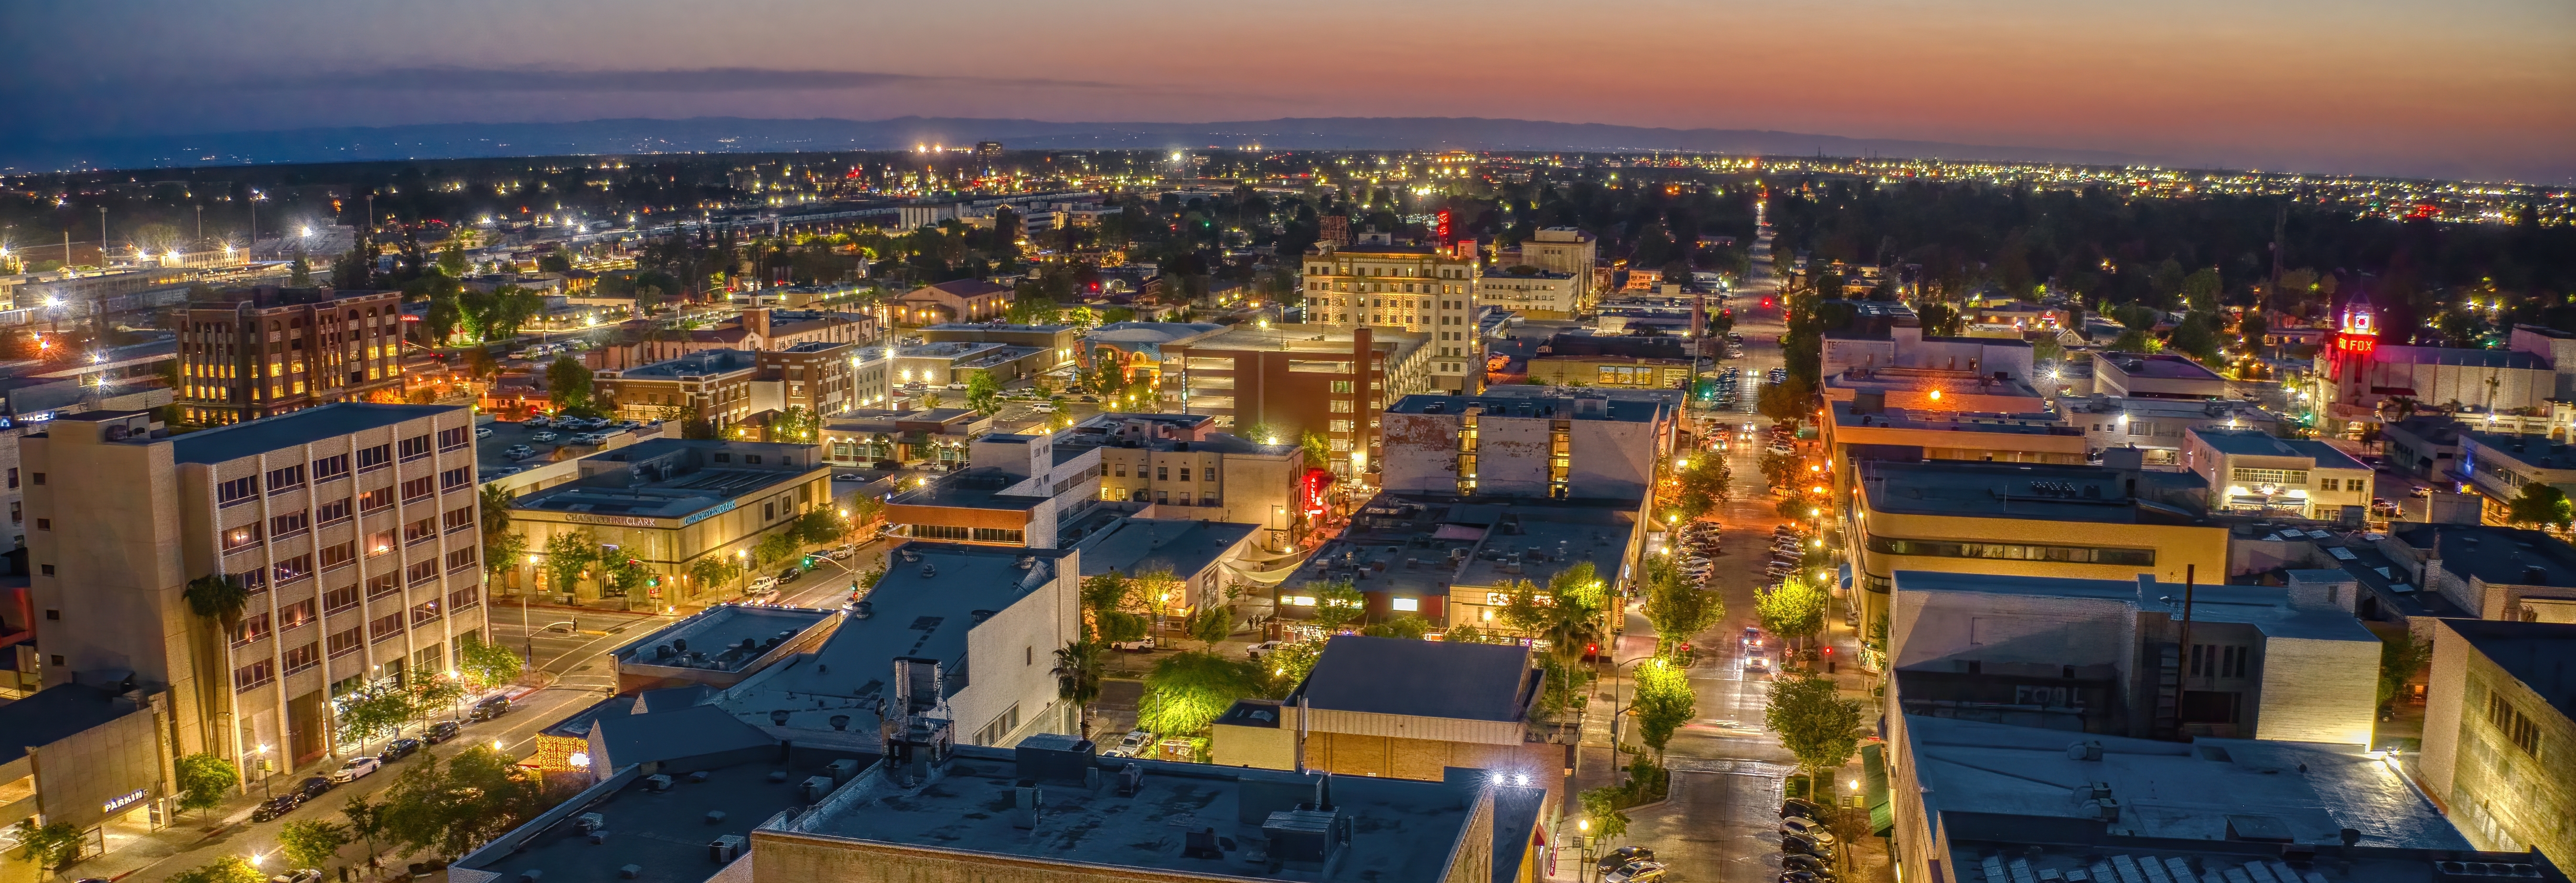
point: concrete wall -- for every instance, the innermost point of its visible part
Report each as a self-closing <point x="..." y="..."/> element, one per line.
<point x="2497" y="795"/>
<point x="1011" y="656"/>
<point x="2317" y="690"/>
<point x="78" y="775"/>
<point x="1938" y="630"/>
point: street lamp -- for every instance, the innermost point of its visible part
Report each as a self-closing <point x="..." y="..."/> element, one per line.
<point x="262" y="766"/>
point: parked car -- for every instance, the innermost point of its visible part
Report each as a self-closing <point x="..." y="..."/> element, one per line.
<point x="1140" y="645"/>
<point x="1639" y="871"/>
<point x="482" y="432"/>
<point x="1805" y="845"/>
<point x="1803" y="862"/>
<point x="441" y="732"/>
<point x="843" y="551"/>
<point x="544" y="437"/>
<point x="1265" y="648"/>
<point x="791" y="574"/>
<point x="357" y="768"/>
<point x="518" y="452"/>
<point x="1131" y="745"/>
<point x="1623" y="855"/>
<point x="313" y="786"/>
<point x="490" y="708"/>
<point x="399" y="749"/>
<point x="1807" y="826"/>
<point x="1801" y="807"/>
<point x="762" y="585"/>
<point x="540" y="421"/>
<point x="849" y="476"/>
<point x="278" y="806"/>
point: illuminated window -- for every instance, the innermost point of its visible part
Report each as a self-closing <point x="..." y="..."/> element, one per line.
<point x="1405" y="604"/>
<point x="1300" y="600"/>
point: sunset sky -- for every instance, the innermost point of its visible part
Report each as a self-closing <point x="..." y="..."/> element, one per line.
<point x="2474" y="88"/>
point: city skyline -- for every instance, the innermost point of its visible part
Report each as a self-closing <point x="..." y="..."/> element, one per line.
<point x="2478" y="92"/>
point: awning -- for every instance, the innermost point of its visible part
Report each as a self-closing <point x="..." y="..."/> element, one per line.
<point x="1873" y="769"/>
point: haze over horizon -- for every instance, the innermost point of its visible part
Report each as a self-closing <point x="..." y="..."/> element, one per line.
<point x="2483" y="89"/>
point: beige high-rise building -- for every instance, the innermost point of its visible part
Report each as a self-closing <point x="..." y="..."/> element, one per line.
<point x="353" y="525"/>
<point x="1413" y="288"/>
<point x="1566" y="251"/>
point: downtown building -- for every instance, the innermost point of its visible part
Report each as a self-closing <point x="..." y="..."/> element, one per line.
<point x="1284" y="381"/>
<point x="260" y="352"/>
<point x="354" y="527"/>
<point x="1412" y="288"/>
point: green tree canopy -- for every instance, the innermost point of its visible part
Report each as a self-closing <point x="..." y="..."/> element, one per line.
<point x="1796" y="609"/>
<point x="568" y="384"/>
<point x="204" y="779"/>
<point x="1186" y="691"/>
<point x="487" y="665"/>
<point x="1677" y="607"/>
<point x="228" y="869"/>
<point x="312" y="843"/>
<point x="1815" y="722"/>
<point x="567" y="556"/>
<point x="1664" y="702"/>
<point x="2540" y="504"/>
<point x="1338" y="603"/>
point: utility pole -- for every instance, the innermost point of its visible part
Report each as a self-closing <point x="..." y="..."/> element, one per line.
<point x="102" y="236"/>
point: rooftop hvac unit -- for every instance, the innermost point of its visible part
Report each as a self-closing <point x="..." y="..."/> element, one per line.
<point x="723" y="850"/>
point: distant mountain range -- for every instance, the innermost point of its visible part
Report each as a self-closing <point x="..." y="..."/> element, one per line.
<point x="735" y="135"/>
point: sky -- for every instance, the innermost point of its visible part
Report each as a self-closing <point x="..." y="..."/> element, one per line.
<point x="2482" y="89"/>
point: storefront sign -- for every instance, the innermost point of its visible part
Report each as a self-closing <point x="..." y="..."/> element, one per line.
<point x="127" y="799"/>
<point x="617" y="520"/>
<point x="721" y="508"/>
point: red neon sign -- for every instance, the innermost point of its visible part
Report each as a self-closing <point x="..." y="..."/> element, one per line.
<point x="1444" y="226"/>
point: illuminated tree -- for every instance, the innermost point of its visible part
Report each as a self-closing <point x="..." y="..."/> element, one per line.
<point x="1187" y="691"/>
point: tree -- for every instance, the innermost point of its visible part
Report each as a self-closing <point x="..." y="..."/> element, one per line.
<point x="372" y="713"/>
<point x="568" y="384"/>
<point x="1675" y="606"/>
<point x="229" y="869"/>
<point x="1664" y="702"/>
<point x="1319" y="453"/>
<point x="1113" y="616"/>
<point x="983" y="393"/>
<point x="2540" y="504"/>
<point x="204" y="779"/>
<point x="312" y="843"/>
<point x="1077" y="677"/>
<point x="1409" y="627"/>
<point x="2401" y="656"/>
<point x="1795" y="610"/>
<point x="1288" y="666"/>
<point x="366" y="821"/>
<point x="794" y="425"/>
<point x="772" y="548"/>
<point x="50" y="847"/>
<point x="1187" y="691"/>
<point x="1601" y="806"/>
<point x="502" y="551"/>
<point x="449" y="808"/>
<point x="1568" y="616"/>
<point x="1702" y="485"/>
<point x="488" y="665"/>
<point x="567" y="556"/>
<point x="1338" y="603"/>
<point x="930" y="399"/>
<point x="710" y="571"/>
<point x="1814" y="721"/>
<point x="816" y="527"/>
<point x="1787" y="401"/>
<point x="1209" y="625"/>
<point x="301" y="274"/>
<point x="219" y="597"/>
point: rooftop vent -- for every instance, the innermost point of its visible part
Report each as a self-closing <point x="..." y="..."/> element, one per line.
<point x="723" y="850"/>
<point x="2090" y="749"/>
<point x="658" y="782"/>
<point x="815" y="787"/>
<point x="589" y="821"/>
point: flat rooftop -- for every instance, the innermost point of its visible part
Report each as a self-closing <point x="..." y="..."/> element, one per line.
<point x="2004" y="850"/>
<point x="1421" y="544"/>
<point x="1618" y="410"/>
<point x="54" y="714"/>
<point x="2542" y="655"/>
<point x="1402" y="830"/>
<point x="1290" y="337"/>
<point x="225" y="443"/>
<point x="1140" y="544"/>
<point x="1488" y="682"/>
<point x="980" y="488"/>
<point x="2028" y="491"/>
<point x="930" y="596"/>
<point x="697" y="364"/>
<point x="719" y="632"/>
<point x="2507" y="555"/>
<point x="2535" y="451"/>
<point x="1850" y="414"/>
<point x="489" y="454"/>
<point x="687" y="478"/>
<point x="2257" y="443"/>
<point x="2266" y="608"/>
<point x="665" y="833"/>
<point x="2173" y="790"/>
<point x="2163" y="366"/>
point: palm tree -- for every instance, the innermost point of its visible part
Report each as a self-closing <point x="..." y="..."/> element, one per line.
<point x="219" y="597"/>
<point x="1077" y="678"/>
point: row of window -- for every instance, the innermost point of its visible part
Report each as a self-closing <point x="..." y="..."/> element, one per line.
<point x="261" y="672"/>
<point x="978" y="534"/>
<point x="287" y="478"/>
<point x="2013" y="551"/>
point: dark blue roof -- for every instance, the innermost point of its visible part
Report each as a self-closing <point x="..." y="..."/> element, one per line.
<point x="287" y="430"/>
<point x="54" y="714"/>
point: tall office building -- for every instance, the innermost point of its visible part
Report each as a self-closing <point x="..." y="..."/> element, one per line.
<point x="265" y="351"/>
<point x="1413" y="288"/>
<point x="353" y="525"/>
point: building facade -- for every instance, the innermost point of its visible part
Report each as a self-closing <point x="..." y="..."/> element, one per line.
<point x="1525" y="447"/>
<point x="667" y="504"/>
<point x="1409" y="288"/>
<point x="2497" y="733"/>
<point x="2250" y="471"/>
<point x="354" y="526"/>
<point x="267" y="351"/>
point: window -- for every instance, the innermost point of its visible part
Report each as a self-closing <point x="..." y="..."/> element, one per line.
<point x="340" y="555"/>
<point x="242" y="537"/>
<point x="1341" y="406"/>
<point x="386" y="626"/>
<point x="381" y="585"/>
<point x="1162" y="473"/>
<point x="378" y="457"/>
<point x="2280" y="477"/>
<point x="380" y="498"/>
<point x="465" y="597"/>
<point x="339" y="599"/>
<point x="417" y="531"/>
<point x="292" y="569"/>
<point x="1405" y="604"/>
<point x="940" y="532"/>
<point x="13" y="478"/>
<point x="343" y="643"/>
<point x="424" y="613"/>
<point x="255" y="579"/>
<point x="250" y="628"/>
<point x="254" y="674"/>
<point x="751" y="459"/>
<point x="997" y="535"/>
<point x="232" y="493"/>
<point x="461" y="559"/>
<point x="37" y="477"/>
<point x="455" y="478"/>
<point x="1343" y="426"/>
<point x="303" y="657"/>
<point x="768" y="511"/>
<point x="334" y="466"/>
<point x="2220" y="660"/>
<point x="296" y="614"/>
<point x="724" y="458"/>
<point x="2511" y="723"/>
<point x="420" y="572"/>
<point x="415" y="447"/>
<point x="419" y="489"/>
<point x="461" y="518"/>
<point x="2014" y="551"/>
<point x="451" y="439"/>
<point x="287" y="525"/>
<point x="333" y="512"/>
<point x="286" y="478"/>
<point x="1122" y="470"/>
<point x="379" y="543"/>
<point x="1185" y="473"/>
